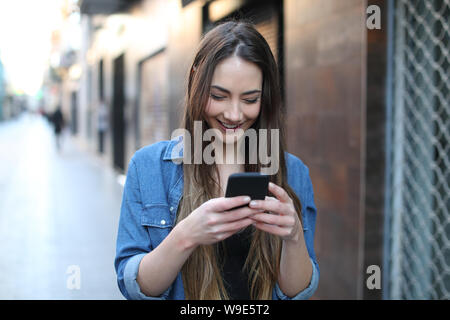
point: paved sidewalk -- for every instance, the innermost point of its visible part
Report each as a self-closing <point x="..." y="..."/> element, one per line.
<point x="58" y="217"/>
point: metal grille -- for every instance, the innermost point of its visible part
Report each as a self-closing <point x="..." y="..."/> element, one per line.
<point x="419" y="199"/>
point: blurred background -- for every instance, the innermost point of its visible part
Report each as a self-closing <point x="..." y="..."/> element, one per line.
<point x="84" y="84"/>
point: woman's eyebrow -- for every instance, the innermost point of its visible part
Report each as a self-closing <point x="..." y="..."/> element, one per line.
<point x="228" y="91"/>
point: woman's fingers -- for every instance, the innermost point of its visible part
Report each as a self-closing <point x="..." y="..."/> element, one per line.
<point x="273" y="229"/>
<point x="270" y="205"/>
<point x="235" y="225"/>
<point x="220" y="218"/>
<point x="238" y="214"/>
<point x="287" y="221"/>
<point x="279" y="193"/>
<point x="224" y="204"/>
<point x="223" y="219"/>
<point x="283" y="220"/>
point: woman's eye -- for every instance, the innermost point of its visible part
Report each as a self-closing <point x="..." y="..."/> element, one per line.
<point x="215" y="97"/>
<point x="251" y="100"/>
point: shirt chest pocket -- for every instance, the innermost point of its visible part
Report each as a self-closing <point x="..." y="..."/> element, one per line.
<point x="157" y="216"/>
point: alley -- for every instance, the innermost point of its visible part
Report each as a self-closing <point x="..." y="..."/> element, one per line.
<point x="58" y="216"/>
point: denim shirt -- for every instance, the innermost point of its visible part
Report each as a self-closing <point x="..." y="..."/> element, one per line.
<point x="152" y="192"/>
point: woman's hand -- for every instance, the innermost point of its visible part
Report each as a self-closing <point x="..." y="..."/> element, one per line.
<point x="280" y="218"/>
<point x="215" y="220"/>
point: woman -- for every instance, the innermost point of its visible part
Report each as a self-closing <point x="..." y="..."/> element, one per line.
<point x="179" y="237"/>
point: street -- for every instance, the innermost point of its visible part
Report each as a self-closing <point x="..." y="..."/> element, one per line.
<point x="58" y="216"/>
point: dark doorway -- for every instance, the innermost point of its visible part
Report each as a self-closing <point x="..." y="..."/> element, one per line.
<point x="101" y="91"/>
<point x="102" y="121"/>
<point x="118" y="121"/>
<point x="74" y="113"/>
<point x="152" y="113"/>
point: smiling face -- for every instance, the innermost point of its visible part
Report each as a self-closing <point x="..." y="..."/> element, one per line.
<point x="235" y="97"/>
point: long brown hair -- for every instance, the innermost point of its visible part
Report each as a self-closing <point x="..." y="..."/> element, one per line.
<point x="201" y="273"/>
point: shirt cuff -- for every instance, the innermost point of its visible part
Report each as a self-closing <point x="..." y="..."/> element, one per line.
<point x="307" y="292"/>
<point x="130" y="274"/>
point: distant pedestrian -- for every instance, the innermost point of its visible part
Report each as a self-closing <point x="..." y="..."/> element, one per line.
<point x="57" y="120"/>
<point x="102" y="125"/>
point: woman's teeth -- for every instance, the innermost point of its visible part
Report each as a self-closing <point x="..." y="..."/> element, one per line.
<point x="229" y="126"/>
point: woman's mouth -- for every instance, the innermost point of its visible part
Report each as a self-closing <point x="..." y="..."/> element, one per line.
<point x="226" y="126"/>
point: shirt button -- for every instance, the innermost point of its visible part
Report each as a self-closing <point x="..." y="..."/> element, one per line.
<point x="171" y="208"/>
<point x="163" y="222"/>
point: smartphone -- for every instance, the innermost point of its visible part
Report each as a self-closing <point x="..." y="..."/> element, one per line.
<point x="253" y="184"/>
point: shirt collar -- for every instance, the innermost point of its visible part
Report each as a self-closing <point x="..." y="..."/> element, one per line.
<point x="171" y="154"/>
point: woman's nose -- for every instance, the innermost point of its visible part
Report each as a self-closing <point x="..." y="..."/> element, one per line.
<point x="233" y="112"/>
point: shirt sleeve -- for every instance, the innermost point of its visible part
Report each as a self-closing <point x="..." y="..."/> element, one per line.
<point x="133" y="240"/>
<point x="305" y="188"/>
<point x="131" y="285"/>
<point x="304" y="294"/>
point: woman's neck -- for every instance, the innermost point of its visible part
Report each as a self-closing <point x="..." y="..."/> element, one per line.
<point x="225" y="170"/>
